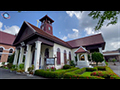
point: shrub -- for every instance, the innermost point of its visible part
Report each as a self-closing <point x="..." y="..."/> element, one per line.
<point x="102" y="68"/>
<point x="9" y="65"/>
<point x="71" y="75"/>
<point x="79" y="71"/>
<point x="11" y="58"/>
<point x="72" y="63"/>
<point x="66" y="67"/>
<point x="91" y="69"/>
<point x="21" y="66"/>
<point x="97" y="57"/>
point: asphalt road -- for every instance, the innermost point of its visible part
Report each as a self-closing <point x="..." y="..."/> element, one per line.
<point x="115" y="68"/>
<point x="6" y="74"/>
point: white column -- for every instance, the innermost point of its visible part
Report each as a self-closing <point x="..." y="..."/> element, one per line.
<point x="37" y="54"/>
<point x="16" y="56"/>
<point x="100" y="50"/>
<point x="27" y="57"/>
<point x="21" y="55"/>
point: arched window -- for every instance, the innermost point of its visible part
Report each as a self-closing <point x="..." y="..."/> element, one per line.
<point x="1" y="49"/>
<point x="69" y="55"/>
<point x="65" y="57"/>
<point x="11" y="51"/>
<point x="58" y="56"/>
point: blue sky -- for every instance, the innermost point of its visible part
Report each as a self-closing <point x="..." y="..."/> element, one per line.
<point x="68" y="25"/>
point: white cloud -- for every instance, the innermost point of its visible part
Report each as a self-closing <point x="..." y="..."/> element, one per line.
<point x="1" y="24"/>
<point x="111" y="33"/>
<point x="74" y="35"/>
<point x="64" y="38"/>
<point x="78" y="14"/>
<point x="12" y="30"/>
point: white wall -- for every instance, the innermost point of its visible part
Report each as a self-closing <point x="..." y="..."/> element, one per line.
<point x="62" y="48"/>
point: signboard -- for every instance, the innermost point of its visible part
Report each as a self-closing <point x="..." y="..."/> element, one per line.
<point x="50" y="61"/>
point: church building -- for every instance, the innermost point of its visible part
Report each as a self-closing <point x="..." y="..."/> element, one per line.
<point x="39" y="43"/>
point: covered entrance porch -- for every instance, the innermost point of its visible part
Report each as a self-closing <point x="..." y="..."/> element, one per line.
<point x="35" y="54"/>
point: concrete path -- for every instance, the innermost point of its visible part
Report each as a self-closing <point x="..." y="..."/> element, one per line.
<point x="115" y="68"/>
<point x="6" y="74"/>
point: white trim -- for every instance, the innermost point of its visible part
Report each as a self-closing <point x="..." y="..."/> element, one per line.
<point x="111" y="54"/>
<point x="6" y="49"/>
<point x="79" y="48"/>
<point x="2" y="47"/>
<point x="5" y="53"/>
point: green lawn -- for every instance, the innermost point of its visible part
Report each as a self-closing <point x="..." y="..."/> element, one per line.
<point x="86" y="73"/>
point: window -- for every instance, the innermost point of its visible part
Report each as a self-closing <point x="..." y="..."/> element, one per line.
<point x="1" y="49"/>
<point x="49" y="28"/>
<point x="42" y="27"/>
<point x="69" y="55"/>
<point x="58" y="57"/>
<point x="11" y="51"/>
<point x="65" y="57"/>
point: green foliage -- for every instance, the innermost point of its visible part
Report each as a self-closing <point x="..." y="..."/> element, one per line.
<point x="101" y="68"/>
<point x="91" y="69"/>
<point x="97" y="57"/>
<point x="30" y="69"/>
<point x="21" y="66"/>
<point x="11" y="58"/>
<point x="66" y="67"/>
<point x="9" y="65"/>
<point x="89" y="58"/>
<point x="76" y="73"/>
<point x="104" y="15"/>
<point x="72" y="63"/>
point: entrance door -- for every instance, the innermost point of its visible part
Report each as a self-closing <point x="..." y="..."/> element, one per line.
<point x="46" y="53"/>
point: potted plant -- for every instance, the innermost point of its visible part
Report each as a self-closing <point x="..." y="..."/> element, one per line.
<point x="30" y="70"/>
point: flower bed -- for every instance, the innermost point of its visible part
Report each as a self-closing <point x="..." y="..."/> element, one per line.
<point x="75" y="73"/>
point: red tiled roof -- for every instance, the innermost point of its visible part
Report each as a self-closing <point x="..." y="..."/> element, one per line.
<point x="85" y="41"/>
<point x="6" y="38"/>
<point x="90" y="40"/>
<point x="49" y="36"/>
<point x="80" y="50"/>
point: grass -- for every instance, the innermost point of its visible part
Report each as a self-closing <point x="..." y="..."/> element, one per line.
<point x="86" y="74"/>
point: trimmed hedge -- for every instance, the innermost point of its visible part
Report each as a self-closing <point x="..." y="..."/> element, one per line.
<point x="53" y="74"/>
<point x="92" y="69"/>
<point x="71" y="75"/>
<point x="74" y="73"/>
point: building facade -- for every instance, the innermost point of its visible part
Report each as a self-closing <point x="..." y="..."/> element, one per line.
<point x="109" y="55"/>
<point x="6" y="48"/>
<point x="38" y="44"/>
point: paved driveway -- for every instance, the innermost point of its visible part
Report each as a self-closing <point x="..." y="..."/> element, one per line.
<point x="115" y="68"/>
<point x="6" y="74"/>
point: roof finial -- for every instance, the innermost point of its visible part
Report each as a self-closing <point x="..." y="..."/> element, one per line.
<point x="37" y="22"/>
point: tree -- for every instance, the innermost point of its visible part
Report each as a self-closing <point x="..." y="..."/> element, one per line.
<point x="97" y="57"/>
<point x="104" y="15"/>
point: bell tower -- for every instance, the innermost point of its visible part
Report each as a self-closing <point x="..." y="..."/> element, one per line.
<point x="46" y="24"/>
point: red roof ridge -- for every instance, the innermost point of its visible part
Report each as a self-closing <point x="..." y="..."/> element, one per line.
<point x="85" y="37"/>
<point x="34" y="27"/>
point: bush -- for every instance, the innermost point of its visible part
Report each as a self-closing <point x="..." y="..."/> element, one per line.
<point x="101" y="68"/>
<point x="97" y="57"/>
<point x="21" y="66"/>
<point x="66" y="67"/>
<point x="9" y="65"/>
<point x="71" y="75"/>
<point x="11" y="58"/>
<point x="72" y="63"/>
<point x="91" y="69"/>
<point x="79" y="71"/>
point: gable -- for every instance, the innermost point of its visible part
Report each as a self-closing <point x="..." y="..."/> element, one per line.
<point x="24" y="32"/>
